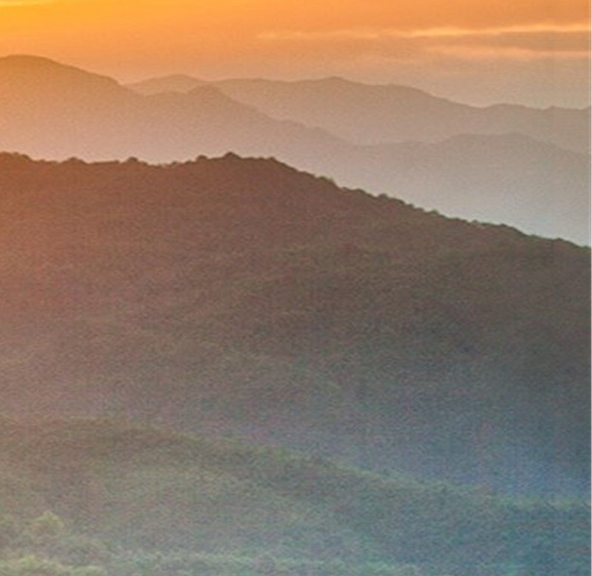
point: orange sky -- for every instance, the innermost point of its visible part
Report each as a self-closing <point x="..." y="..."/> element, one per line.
<point x="535" y="51"/>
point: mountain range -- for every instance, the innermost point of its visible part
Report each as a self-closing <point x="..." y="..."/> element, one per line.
<point x="383" y="114"/>
<point x="505" y="164"/>
<point x="241" y="297"/>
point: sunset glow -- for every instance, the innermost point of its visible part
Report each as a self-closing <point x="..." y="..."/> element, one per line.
<point x="376" y="41"/>
<point x="295" y="287"/>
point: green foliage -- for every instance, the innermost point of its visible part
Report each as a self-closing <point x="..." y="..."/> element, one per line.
<point x="226" y="509"/>
<point x="83" y="551"/>
<point x="46" y="529"/>
<point x="8" y="530"/>
<point x="31" y="565"/>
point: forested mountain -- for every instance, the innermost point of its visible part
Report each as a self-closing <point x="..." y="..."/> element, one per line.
<point x="53" y="111"/>
<point x="105" y="498"/>
<point x="242" y="297"/>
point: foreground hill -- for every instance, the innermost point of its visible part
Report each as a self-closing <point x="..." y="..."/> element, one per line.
<point x="242" y="297"/>
<point x="55" y="112"/>
<point x="140" y="501"/>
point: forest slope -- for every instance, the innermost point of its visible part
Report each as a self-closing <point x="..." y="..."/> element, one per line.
<point x="236" y="296"/>
<point x="141" y="501"/>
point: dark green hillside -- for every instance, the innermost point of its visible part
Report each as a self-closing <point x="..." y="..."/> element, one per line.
<point x="143" y="500"/>
<point x="242" y="297"/>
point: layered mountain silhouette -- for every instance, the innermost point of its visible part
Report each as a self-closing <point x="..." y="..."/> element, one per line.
<point x="509" y="178"/>
<point x="243" y="297"/>
<point x="53" y="111"/>
<point x="381" y="114"/>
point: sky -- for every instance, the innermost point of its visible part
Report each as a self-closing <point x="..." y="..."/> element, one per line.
<point x="535" y="52"/>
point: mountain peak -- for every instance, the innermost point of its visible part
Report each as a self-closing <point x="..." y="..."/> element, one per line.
<point x="24" y="68"/>
<point x="170" y="83"/>
<point x="28" y="60"/>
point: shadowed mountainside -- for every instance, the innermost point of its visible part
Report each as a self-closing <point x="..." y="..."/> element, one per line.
<point x="235" y="296"/>
<point x="55" y="112"/>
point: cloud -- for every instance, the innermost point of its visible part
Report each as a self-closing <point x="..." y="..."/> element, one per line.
<point x="535" y="43"/>
<point x="442" y="32"/>
<point x="497" y="30"/>
<point x="511" y="42"/>
<point x="516" y="41"/>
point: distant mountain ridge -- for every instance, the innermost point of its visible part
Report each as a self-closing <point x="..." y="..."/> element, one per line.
<point x="55" y="112"/>
<point x="170" y="83"/>
<point x="380" y="114"/>
<point x="39" y="83"/>
<point x="509" y="178"/>
<point x="242" y="297"/>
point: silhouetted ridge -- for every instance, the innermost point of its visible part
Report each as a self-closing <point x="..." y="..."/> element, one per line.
<point x="27" y="72"/>
<point x="170" y="83"/>
<point x="388" y="139"/>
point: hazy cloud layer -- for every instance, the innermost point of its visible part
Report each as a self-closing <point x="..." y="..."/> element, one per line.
<point x="572" y="40"/>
